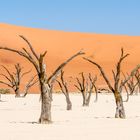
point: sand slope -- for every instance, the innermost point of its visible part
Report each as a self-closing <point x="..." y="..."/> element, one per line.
<point x="102" y="48"/>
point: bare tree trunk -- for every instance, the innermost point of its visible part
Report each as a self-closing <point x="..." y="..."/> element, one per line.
<point x="84" y="99"/>
<point x="45" y="116"/>
<point x="69" y="104"/>
<point x="17" y="92"/>
<point x="96" y="95"/>
<point x="26" y="92"/>
<point x="51" y="92"/>
<point x="120" y="112"/>
<point x="64" y="88"/>
<point x="88" y="99"/>
<point x="127" y="94"/>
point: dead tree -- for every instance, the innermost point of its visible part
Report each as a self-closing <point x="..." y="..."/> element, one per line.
<point x="45" y="82"/>
<point x="64" y="88"/>
<point x="30" y="83"/>
<point x="13" y="80"/>
<point x="137" y="77"/>
<point x="118" y="84"/>
<point x="129" y="89"/>
<point x="92" y="84"/>
<point x="131" y="85"/>
<point x="85" y="86"/>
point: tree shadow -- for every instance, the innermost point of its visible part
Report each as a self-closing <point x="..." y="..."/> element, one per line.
<point x="2" y="101"/>
<point x="33" y="122"/>
<point x="108" y="117"/>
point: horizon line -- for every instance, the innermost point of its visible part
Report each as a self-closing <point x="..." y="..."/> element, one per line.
<point x="67" y="31"/>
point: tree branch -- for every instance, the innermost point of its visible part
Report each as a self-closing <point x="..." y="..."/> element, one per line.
<point x="30" y="46"/>
<point x="55" y="74"/>
<point x="102" y="72"/>
<point x="22" y="54"/>
<point x="6" y="84"/>
<point x="117" y="76"/>
<point x="128" y="78"/>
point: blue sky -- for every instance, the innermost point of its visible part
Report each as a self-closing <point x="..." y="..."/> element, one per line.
<point x="95" y="16"/>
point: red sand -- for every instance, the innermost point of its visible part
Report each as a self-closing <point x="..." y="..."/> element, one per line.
<point x="102" y="48"/>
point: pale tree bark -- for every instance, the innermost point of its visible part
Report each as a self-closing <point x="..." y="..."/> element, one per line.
<point x="13" y="80"/>
<point x="64" y="88"/>
<point x="118" y="85"/>
<point x="45" y="83"/>
<point x="85" y="86"/>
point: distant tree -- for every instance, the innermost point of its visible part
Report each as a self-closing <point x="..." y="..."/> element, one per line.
<point x="118" y="83"/>
<point x="130" y="86"/>
<point x="45" y="82"/>
<point x="137" y="77"/>
<point x="64" y="89"/>
<point x="29" y="84"/>
<point x="85" y="86"/>
<point x="13" y="80"/>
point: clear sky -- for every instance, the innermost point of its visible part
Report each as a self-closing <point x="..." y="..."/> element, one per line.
<point x="97" y="16"/>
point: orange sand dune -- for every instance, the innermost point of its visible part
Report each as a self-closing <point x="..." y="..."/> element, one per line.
<point x="102" y="48"/>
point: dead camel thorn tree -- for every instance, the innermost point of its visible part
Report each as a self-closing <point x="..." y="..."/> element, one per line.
<point x="85" y="86"/>
<point x="137" y="77"/>
<point x="45" y="82"/>
<point x="64" y="88"/>
<point x="92" y="85"/>
<point x="118" y="84"/>
<point x="14" y="79"/>
<point x="130" y="86"/>
<point x="29" y="84"/>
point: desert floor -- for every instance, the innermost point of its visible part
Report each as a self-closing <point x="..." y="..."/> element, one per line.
<point x="18" y="119"/>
